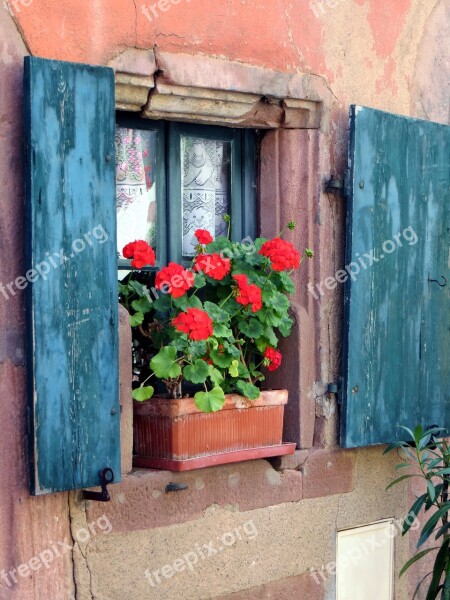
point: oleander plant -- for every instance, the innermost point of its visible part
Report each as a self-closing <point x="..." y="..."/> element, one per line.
<point x="427" y="456"/>
<point x="213" y="327"/>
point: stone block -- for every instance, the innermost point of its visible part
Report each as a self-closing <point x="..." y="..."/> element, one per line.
<point x="328" y="472"/>
<point x="302" y="587"/>
<point x="292" y="461"/>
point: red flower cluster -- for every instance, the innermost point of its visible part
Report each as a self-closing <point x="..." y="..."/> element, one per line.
<point x="273" y="358"/>
<point x="203" y="236"/>
<point x="248" y="294"/>
<point x="213" y="265"/>
<point x="195" y="322"/>
<point x="142" y="254"/>
<point x="282" y="254"/>
<point x="177" y="280"/>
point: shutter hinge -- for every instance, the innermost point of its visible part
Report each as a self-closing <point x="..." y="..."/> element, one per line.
<point x="338" y="186"/>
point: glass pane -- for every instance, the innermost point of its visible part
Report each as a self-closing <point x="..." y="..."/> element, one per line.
<point x="135" y="186"/>
<point x="206" y="185"/>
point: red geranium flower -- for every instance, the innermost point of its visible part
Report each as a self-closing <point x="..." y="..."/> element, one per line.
<point x="213" y="265"/>
<point x="142" y="254"/>
<point x="195" y="322"/>
<point x="177" y="279"/>
<point x="283" y="256"/>
<point x="272" y="359"/>
<point x="203" y="236"/>
<point x="248" y="294"/>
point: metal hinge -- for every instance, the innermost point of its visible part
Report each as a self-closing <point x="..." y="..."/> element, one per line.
<point x="337" y="185"/>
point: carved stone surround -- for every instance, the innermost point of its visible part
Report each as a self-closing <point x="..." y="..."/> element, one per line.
<point x="195" y="88"/>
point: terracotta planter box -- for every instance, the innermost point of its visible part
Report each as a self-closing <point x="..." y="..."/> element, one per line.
<point x="175" y="435"/>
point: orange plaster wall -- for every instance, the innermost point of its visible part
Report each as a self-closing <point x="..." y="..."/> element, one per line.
<point x="271" y="33"/>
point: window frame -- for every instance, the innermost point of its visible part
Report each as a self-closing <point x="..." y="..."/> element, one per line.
<point x="244" y="217"/>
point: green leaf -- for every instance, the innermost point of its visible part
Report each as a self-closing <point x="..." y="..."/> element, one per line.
<point x="270" y="317"/>
<point x="162" y="304"/>
<point x="232" y="349"/>
<point x="215" y="375"/>
<point x="194" y="302"/>
<point x="262" y="344"/>
<point x="180" y="342"/>
<point x="286" y="282"/>
<point x="143" y="393"/>
<point x="222" y="331"/>
<point x="276" y="300"/>
<point x="210" y="401"/>
<point x="415" y="558"/>
<point x="124" y="290"/>
<point x="442" y="530"/>
<point x="197" y="349"/>
<point x="220" y="244"/>
<point x="143" y="305"/>
<point x="440" y="562"/>
<point x="221" y="359"/>
<point x="199" y="280"/>
<point x="164" y="364"/>
<point x="399" y="479"/>
<point x="394" y="446"/>
<point x="136" y="319"/>
<point x="285" y="326"/>
<point x="269" y="334"/>
<point x="247" y="389"/>
<point x="431" y="524"/>
<point x="445" y="471"/>
<point x="217" y="314"/>
<point x="413" y="512"/>
<point x="197" y="372"/>
<point x="181" y="303"/>
<point x="431" y="491"/>
<point x="234" y="369"/>
<point x="139" y="288"/>
<point x="251" y="328"/>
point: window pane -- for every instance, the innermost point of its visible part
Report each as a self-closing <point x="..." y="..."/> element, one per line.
<point x="206" y="185"/>
<point x="135" y="186"/>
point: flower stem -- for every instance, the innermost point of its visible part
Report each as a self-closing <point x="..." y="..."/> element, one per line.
<point x="226" y="300"/>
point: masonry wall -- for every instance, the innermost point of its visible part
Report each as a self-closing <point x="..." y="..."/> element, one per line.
<point x="389" y="55"/>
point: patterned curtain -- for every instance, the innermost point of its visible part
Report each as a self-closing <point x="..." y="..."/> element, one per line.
<point x="135" y="189"/>
<point x="206" y="188"/>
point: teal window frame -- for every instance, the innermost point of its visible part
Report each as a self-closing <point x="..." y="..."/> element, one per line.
<point x="168" y="176"/>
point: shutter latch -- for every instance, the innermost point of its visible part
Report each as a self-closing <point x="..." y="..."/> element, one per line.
<point x="106" y="478"/>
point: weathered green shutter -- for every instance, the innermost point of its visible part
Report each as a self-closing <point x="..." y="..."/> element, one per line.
<point x="396" y="363"/>
<point x="73" y="319"/>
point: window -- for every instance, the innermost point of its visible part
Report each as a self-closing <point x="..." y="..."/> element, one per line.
<point x="174" y="178"/>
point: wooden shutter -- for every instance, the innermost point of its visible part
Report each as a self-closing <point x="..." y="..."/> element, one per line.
<point x="74" y="418"/>
<point x="396" y="358"/>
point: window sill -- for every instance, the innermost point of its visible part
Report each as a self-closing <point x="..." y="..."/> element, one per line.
<point x="140" y="501"/>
